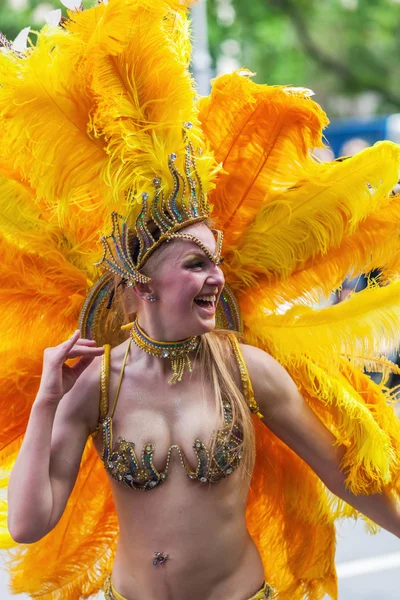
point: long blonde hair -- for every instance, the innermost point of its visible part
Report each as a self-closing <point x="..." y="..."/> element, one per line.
<point x="218" y="365"/>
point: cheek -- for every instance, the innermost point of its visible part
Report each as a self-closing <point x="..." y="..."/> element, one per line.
<point x="182" y="285"/>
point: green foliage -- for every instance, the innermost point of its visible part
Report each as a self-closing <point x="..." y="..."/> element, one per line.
<point x="335" y="47"/>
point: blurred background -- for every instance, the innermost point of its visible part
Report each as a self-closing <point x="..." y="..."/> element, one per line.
<point x="347" y="52"/>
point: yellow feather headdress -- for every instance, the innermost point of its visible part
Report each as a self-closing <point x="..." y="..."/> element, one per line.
<point x="89" y="117"/>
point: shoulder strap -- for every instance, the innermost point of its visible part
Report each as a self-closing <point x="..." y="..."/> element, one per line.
<point x="104" y="381"/>
<point x="244" y="375"/>
<point x="120" y="379"/>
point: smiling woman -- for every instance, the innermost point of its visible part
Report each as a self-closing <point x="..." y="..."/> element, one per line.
<point x="246" y="453"/>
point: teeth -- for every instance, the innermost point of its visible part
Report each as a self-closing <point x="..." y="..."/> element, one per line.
<point x="207" y="298"/>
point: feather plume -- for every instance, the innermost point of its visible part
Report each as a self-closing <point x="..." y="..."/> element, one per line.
<point x="144" y="92"/>
<point x="366" y="323"/>
<point x="48" y="148"/>
<point x="93" y="111"/>
<point x="370" y="456"/>
<point x="32" y="286"/>
<point x="316" y="215"/>
<point x="290" y="516"/>
<point x="374" y="245"/>
<point x="376" y="364"/>
<point x="262" y="136"/>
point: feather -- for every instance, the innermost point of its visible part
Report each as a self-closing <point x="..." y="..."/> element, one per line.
<point x="316" y="215"/>
<point x="262" y="136"/>
<point x="366" y="323"/>
<point x="32" y="287"/>
<point x="370" y="456"/>
<point x="144" y="93"/>
<point x="35" y="84"/>
<point x="290" y="516"/>
<point x="92" y="111"/>
<point x="374" y="245"/>
<point x="376" y="364"/>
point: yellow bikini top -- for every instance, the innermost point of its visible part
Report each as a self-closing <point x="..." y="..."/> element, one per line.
<point x="123" y="463"/>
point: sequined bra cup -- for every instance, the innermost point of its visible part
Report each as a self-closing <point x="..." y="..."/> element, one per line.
<point x="138" y="472"/>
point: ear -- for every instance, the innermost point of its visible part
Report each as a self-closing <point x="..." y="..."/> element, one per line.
<point x="143" y="290"/>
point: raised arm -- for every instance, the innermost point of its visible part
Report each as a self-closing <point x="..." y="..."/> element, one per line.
<point x="62" y="416"/>
<point x="289" y="417"/>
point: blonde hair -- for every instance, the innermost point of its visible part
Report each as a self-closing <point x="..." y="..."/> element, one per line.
<point x="218" y="365"/>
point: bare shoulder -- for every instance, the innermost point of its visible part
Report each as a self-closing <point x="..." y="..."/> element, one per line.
<point x="271" y="382"/>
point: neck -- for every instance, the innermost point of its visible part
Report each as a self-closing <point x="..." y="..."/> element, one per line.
<point x="157" y="330"/>
<point x="176" y="352"/>
<point x="162" y="342"/>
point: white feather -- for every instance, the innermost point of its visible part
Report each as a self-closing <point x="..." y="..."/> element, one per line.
<point x="71" y="4"/>
<point x="53" y="17"/>
<point x="20" y="44"/>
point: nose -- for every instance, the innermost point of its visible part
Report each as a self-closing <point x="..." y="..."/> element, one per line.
<point x="216" y="277"/>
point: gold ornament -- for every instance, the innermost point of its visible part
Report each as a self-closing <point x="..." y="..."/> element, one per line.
<point x="176" y="352"/>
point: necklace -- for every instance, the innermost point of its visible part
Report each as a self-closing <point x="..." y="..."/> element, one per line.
<point x="176" y="352"/>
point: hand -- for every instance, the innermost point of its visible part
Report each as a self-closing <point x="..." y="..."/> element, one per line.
<point x="57" y="377"/>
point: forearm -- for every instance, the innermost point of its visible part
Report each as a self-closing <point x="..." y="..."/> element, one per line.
<point x="30" y="497"/>
<point x="380" y="508"/>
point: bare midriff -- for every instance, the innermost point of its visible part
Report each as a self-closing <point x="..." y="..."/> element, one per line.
<point x="201" y="527"/>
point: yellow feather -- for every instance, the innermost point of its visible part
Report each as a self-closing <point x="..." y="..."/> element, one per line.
<point x="366" y="323"/>
<point x="74" y="560"/>
<point x="316" y="215"/>
<point x="262" y="136"/>
<point x="374" y="245"/>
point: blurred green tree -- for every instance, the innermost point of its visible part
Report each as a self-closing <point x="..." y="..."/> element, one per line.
<point x="339" y="48"/>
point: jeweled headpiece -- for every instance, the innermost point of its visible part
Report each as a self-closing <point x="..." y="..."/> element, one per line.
<point x="161" y="216"/>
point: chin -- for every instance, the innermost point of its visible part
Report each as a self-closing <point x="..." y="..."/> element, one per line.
<point x="205" y="326"/>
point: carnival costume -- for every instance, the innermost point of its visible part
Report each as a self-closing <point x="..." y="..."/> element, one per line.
<point x="100" y="118"/>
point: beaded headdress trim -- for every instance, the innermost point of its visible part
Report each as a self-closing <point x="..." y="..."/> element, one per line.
<point x="117" y="256"/>
<point x="161" y="216"/>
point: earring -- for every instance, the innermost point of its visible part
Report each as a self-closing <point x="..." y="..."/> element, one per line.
<point x="151" y="298"/>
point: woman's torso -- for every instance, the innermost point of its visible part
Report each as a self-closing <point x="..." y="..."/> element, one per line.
<point x="201" y="526"/>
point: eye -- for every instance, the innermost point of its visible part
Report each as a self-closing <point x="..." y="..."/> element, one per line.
<point x="198" y="264"/>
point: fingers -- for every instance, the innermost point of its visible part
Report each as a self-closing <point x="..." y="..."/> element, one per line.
<point x="84" y="351"/>
<point x="68" y="344"/>
<point x="71" y="348"/>
<point x="76" y="339"/>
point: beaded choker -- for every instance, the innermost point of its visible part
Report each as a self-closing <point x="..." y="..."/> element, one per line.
<point x="176" y="352"/>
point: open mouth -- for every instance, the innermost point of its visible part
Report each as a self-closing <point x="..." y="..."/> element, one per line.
<point x="206" y="301"/>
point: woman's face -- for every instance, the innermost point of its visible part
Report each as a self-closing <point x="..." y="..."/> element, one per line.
<point x="187" y="285"/>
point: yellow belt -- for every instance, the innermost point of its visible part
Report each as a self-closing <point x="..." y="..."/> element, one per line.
<point x="266" y="593"/>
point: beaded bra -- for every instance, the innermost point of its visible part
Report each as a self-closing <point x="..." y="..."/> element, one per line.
<point x="124" y="465"/>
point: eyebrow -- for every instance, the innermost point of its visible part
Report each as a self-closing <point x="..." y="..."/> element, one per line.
<point x="195" y="254"/>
